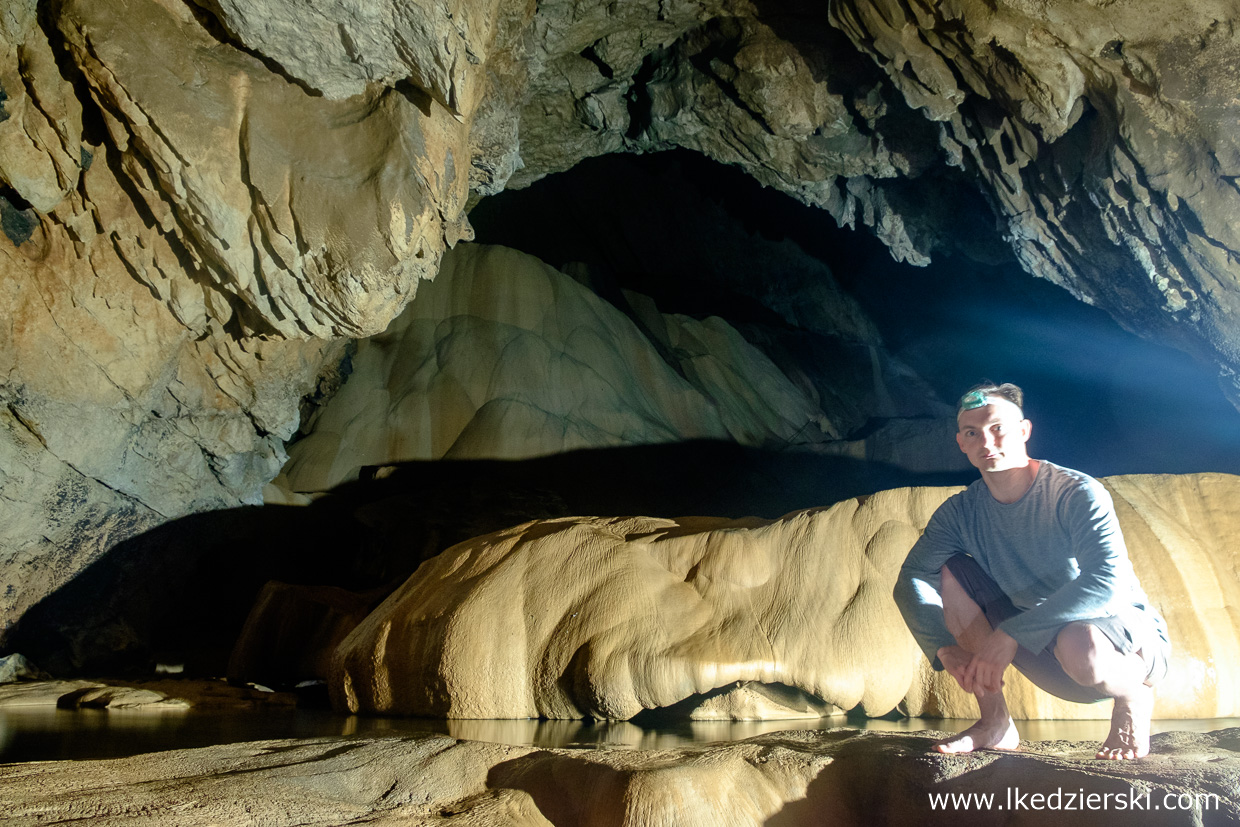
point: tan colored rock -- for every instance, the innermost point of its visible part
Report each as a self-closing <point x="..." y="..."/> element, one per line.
<point x="42" y="693"/>
<point x="125" y="401"/>
<point x="657" y="611"/>
<point x="119" y="697"/>
<point x="41" y="127"/>
<point x="210" y="199"/>
<point x="503" y="356"/>
<point x="276" y="195"/>
<point x="606" y="617"/>
<point x="119" y="411"/>
<point x="839" y="776"/>
<point x="153" y="696"/>
<point x="341" y="49"/>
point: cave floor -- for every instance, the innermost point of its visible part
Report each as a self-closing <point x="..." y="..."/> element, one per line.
<point x="837" y="776"/>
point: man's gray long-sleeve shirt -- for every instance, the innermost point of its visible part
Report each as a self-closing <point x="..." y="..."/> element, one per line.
<point x="1057" y="553"/>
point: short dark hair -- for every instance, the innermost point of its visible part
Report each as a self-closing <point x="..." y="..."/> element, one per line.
<point x="1012" y="393"/>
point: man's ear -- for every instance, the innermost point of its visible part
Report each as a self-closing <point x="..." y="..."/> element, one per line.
<point x="960" y="443"/>
<point x="1027" y="428"/>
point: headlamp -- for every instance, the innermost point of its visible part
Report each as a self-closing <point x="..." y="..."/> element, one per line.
<point x="973" y="399"/>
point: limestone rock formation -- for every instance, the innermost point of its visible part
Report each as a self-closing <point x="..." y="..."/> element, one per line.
<point x="1068" y="118"/>
<point x="835" y="777"/>
<point x="607" y="617"/>
<point x="305" y="216"/>
<point x="151" y="696"/>
<point x="17" y="667"/>
<point x="774" y="90"/>
<point x="342" y="49"/>
<point x="503" y="356"/>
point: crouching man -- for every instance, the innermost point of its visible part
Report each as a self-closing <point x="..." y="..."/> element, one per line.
<point x="1027" y="567"/>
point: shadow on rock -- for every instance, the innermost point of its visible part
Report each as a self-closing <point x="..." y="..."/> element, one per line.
<point x="180" y="593"/>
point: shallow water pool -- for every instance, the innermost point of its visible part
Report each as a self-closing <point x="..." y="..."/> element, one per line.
<point x="44" y="734"/>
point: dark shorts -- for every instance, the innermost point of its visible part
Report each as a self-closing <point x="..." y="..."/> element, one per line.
<point x="1140" y="630"/>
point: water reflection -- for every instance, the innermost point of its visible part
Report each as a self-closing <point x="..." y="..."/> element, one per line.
<point x="45" y="734"/>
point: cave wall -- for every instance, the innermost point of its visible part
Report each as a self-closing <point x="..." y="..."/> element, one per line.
<point x="201" y="202"/>
<point x="189" y="237"/>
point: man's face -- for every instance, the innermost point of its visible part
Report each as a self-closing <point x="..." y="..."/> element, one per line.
<point x="994" y="436"/>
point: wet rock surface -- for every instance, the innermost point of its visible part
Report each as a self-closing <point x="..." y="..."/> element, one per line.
<point x="837" y="776"/>
<point x="148" y="695"/>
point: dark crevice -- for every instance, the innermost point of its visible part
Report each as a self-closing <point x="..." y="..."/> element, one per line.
<point x="782" y="694"/>
<point x="641" y="104"/>
<point x="222" y="34"/>
<point x="415" y="95"/>
<point x="18" y="219"/>
<point x="591" y="55"/>
<point x="30" y="426"/>
<point x="94" y="129"/>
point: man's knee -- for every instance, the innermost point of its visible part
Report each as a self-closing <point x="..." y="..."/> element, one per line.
<point x="1081" y="649"/>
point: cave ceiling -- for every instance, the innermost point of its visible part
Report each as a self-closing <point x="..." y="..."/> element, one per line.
<point x="203" y="201"/>
<point x="1098" y="133"/>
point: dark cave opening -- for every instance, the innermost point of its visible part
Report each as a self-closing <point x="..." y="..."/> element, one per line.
<point x="1103" y="400"/>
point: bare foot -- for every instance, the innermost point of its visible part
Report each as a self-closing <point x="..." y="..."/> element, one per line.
<point x="1130" y="727"/>
<point x="1000" y="734"/>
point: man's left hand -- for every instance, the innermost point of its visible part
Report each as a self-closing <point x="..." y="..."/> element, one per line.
<point x="990" y="661"/>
